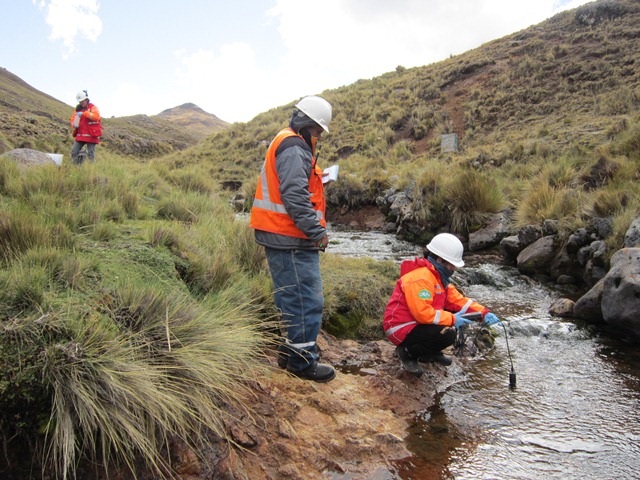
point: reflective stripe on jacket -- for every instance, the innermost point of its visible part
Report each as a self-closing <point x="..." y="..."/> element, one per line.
<point x="268" y="212"/>
<point x="90" y="128"/>
<point x="419" y="297"/>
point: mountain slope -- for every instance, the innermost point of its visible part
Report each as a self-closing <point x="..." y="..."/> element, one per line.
<point x="193" y="119"/>
<point x="572" y="80"/>
<point x="30" y="118"/>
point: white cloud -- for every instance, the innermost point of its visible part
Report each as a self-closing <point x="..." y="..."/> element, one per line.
<point x="229" y="83"/>
<point x="70" y="19"/>
<point x="349" y="39"/>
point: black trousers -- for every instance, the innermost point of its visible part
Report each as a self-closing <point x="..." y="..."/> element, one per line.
<point x="425" y="339"/>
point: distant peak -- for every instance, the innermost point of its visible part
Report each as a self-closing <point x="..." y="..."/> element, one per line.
<point x="185" y="106"/>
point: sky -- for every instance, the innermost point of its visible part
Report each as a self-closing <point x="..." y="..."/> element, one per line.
<point x="238" y="58"/>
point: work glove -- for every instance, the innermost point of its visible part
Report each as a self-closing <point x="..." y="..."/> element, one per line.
<point x="490" y="319"/>
<point x="460" y="320"/>
<point x="76" y="120"/>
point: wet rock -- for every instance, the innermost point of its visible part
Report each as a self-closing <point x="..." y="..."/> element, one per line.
<point x="498" y="227"/>
<point x="537" y="256"/>
<point x="564" y="265"/>
<point x="562" y="307"/>
<point x="588" y="307"/>
<point x="621" y="291"/>
<point x="593" y="273"/>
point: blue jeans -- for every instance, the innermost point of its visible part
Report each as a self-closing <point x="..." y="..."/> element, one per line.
<point x="298" y="296"/>
<point x="75" y="150"/>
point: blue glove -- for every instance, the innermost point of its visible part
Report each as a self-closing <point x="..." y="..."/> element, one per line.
<point x="460" y="321"/>
<point x="490" y="319"/>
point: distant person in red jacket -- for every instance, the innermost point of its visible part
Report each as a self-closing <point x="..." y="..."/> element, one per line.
<point x="425" y="309"/>
<point x="87" y="129"/>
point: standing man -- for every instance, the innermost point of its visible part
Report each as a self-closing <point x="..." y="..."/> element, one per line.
<point x="288" y="216"/>
<point x="87" y="128"/>
<point x="425" y="308"/>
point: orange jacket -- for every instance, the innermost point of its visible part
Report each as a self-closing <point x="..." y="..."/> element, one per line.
<point x="268" y="212"/>
<point x="420" y="298"/>
<point x="90" y="128"/>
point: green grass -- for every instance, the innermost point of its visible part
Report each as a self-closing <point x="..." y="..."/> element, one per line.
<point x="134" y="311"/>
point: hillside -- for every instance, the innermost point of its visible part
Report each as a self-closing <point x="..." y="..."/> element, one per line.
<point x="539" y="102"/>
<point x="30" y="118"/>
<point x="193" y="119"/>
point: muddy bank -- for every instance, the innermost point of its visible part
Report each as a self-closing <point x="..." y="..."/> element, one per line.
<point x="353" y="427"/>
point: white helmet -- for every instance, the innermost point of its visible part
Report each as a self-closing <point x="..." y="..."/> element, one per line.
<point x="317" y="109"/>
<point x="82" y="95"/>
<point x="448" y="247"/>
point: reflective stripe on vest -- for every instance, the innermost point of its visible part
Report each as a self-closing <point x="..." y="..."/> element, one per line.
<point x="269" y="213"/>
<point x="393" y="330"/>
<point x="266" y="202"/>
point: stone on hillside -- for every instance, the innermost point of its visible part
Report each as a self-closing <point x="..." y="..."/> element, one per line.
<point x="27" y="157"/>
<point x="632" y="237"/>
<point x="603" y="226"/>
<point x="498" y="228"/>
<point x="510" y="247"/>
<point x="621" y="291"/>
<point x="529" y="234"/>
<point x="550" y="227"/>
<point x="449" y="143"/>
<point x="537" y="257"/>
<point x="578" y="239"/>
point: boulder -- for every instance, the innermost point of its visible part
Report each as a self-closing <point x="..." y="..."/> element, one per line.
<point x="529" y="234"/>
<point x="537" y="257"/>
<point x="510" y="247"/>
<point x="27" y="157"/>
<point x="588" y="306"/>
<point x="621" y="292"/>
<point x="498" y="227"/>
<point x="632" y="237"/>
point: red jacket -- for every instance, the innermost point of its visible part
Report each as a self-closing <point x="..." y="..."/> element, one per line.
<point x="420" y="298"/>
<point x="90" y="128"/>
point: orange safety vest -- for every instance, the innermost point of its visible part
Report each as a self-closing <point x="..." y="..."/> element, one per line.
<point x="268" y="212"/>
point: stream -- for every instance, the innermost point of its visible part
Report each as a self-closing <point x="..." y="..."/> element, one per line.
<point x="574" y="413"/>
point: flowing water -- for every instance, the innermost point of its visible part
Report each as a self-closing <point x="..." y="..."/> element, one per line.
<point x="574" y="413"/>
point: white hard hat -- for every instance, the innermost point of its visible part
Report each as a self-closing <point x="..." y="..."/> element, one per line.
<point x="448" y="247"/>
<point x="317" y="109"/>
<point x="82" y="95"/>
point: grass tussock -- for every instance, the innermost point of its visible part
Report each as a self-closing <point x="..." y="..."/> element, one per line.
<point x="356" y="294"/>
<point x="121" y="328"/>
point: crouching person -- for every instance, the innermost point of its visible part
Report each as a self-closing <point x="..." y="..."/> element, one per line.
<point x="425" y="309"/>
